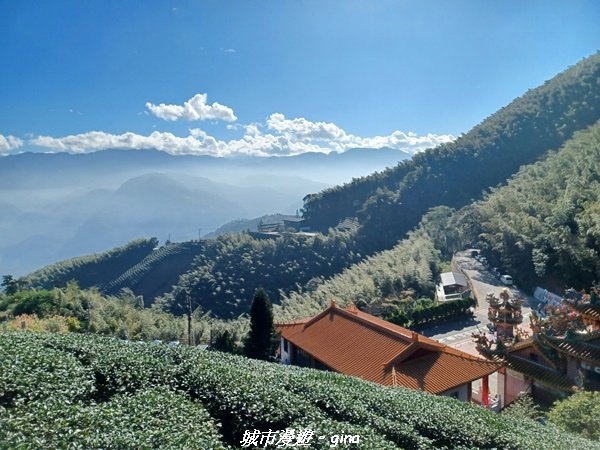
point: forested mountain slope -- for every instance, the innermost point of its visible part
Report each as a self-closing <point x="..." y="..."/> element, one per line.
<point x="545" y="224"/>
<point x="543" y="227"/>
<point x="385" y="281"/>
<point x="391" y="202"/>
<point x="225" y="274"/>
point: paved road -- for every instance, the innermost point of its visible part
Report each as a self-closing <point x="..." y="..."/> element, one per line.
<point x="456" y="332"/>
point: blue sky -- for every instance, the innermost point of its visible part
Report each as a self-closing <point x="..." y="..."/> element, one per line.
<point x="287" y="76"/>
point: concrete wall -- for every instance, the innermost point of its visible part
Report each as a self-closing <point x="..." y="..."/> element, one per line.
<point x="461" y="392"/>
<point x="515" y="383"/>
<point x="286" y="357"/>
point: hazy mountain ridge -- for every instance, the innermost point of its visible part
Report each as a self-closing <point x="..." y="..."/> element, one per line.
<point x="56" y="206"/>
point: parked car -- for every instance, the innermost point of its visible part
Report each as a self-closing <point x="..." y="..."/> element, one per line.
<point x="506" y="279"/>
<point x="491" y="327"/>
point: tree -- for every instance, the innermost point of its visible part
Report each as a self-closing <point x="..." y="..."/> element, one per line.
<point x="524" y="407"/>
<point x="10" y="284"/>
<point x="261" y="341"/>
<point x="578" y="414"/>
<point x="225" y="342"/>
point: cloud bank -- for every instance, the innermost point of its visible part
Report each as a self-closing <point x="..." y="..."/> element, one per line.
<point x="278" y="136"/>
<point x="195" y="108"/>
<point x="8" y="143"/>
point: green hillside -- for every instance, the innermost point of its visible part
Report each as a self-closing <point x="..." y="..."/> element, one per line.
<point x="78" y="391"/>
<point x="391" y="202"/>
<point x="545" y="224"/>
<point x="385" y="281"/>
<point x="158" y="272"/>
<point x="229" y="269"/>
<point x="543" y="227"/>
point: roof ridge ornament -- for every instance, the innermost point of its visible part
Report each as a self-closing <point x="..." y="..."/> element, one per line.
<point x="351" y="308"/>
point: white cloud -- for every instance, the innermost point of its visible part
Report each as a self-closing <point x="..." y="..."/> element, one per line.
<point x="282" y="137"/>
<point x="195" y="108"/>
<point x="301" y="128"/>
<point x="196" y="143"/>
<point x="335" y="138"/>
<point x="8" y="143"/>
<point x="253" y="143"/>
<point x="399" y="140"/>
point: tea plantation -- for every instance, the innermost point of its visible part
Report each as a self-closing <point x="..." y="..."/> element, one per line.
<point x="89" y="392"/>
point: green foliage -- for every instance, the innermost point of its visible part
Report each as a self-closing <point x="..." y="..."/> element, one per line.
<point x="524" y="408"/>
<point x="545" y="222"/>
<point x="261" y="341"/>
<point x="158" y="272"/>
<point x="390" y="203"/>
<point x="177" y="397"/>
<point x="10" y="284"/>
<point x="88" y="311"/>
<point x="580" y="414"/>
<point x="402" y="274"/>
<point x="224" y="342"/>
<point x="32" y="302"/>
<point x="231" y="267"/>
<point x="411" y="316"/>
<point x="30" y="370"/>
<point x="148" y="419"/>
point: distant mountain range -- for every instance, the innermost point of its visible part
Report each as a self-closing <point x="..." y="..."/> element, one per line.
<point x="56" y="206"/>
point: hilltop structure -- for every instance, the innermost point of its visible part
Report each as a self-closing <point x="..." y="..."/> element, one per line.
<point x="352" y="342"/>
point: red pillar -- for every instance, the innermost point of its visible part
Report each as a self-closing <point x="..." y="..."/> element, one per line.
<point x="485" y="392"/>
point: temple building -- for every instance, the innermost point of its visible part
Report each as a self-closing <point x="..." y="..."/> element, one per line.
<point x="351" y="342"/>
<point x="559" y="357"/>
<point x="586" y="305"/>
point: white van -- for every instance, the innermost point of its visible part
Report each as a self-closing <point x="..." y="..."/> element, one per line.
<point x="506" y="279"/>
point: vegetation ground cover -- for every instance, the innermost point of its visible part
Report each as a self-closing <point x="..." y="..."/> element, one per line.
<point x="85" y="391"/>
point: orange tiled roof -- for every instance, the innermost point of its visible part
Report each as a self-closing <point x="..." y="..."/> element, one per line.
<point x="352" y="342"/>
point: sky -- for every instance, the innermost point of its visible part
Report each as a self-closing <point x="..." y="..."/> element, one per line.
<point x="266" y="78"/>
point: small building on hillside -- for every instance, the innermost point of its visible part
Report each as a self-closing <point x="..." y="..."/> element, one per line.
<point x="295" y="223"/>
<point x="282" y="224"/>
<point x="348" y="224"/>
<point x="352" y="342"/>
<point x="452" y="286"/>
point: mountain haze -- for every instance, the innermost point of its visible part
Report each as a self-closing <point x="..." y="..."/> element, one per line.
<point x="56" y="206"/>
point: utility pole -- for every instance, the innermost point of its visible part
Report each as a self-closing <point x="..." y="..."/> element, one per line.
<point x="199" y="234"/>
<point x="189" y="301"/>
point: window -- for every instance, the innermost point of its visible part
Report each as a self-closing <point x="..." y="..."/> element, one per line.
<point x="285" y="346"/>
